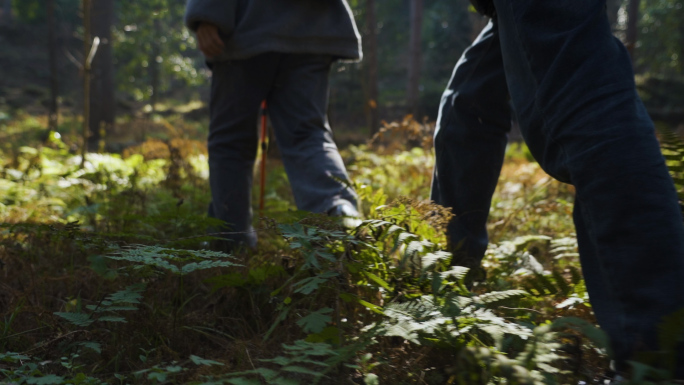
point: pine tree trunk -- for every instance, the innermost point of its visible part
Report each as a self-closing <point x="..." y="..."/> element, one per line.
<point x="87" y="45"/>
<point x="415" y="56"/>
<point x="155" y="66"/>
<point x="54" y="82"/>
<point x="372" y="115"/>
<point x="102" y="100"/>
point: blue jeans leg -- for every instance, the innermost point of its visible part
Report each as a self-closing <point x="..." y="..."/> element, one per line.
<point x="298" y="104"/>
<point x="296" y="88"/>
<point x="470" y="143"/>
<point x="237" y="89"/>
<point x="573" y="90"/>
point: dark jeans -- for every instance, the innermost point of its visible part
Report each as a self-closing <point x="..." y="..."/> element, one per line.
<point x="296" y="89"/>
<point x="572" y="88"/>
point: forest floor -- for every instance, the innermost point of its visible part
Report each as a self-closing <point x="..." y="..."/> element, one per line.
<point x="106" y="279"/>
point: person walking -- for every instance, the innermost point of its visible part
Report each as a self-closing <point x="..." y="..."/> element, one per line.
<point x="571" y="85"/>
<point x="278" y="51"/>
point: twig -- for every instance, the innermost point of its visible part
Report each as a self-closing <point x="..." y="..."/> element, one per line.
<point x="250" y="359"/>
<point x="72" y="59"/>
<point x="20" y="333"/>
<point x="93" y="52"/>
<point x="53" y="341"/>
<point x="520" y="308"/>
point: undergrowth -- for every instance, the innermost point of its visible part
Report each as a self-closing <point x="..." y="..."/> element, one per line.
<point x="106" y="278"/>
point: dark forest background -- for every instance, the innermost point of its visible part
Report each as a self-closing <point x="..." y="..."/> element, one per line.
<point x="147" y="62"/>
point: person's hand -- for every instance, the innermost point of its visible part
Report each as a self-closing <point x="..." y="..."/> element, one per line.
<point x="209" y="41"/>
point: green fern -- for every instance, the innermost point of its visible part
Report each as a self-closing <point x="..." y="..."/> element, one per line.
<point x="673" y="150"/>
<point x="175" y="261"/>
<point x="106" y="310"/>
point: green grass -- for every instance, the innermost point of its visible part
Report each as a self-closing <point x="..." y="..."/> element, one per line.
<point x="104" y="279"/>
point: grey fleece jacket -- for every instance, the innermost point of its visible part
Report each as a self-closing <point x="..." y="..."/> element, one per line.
<point x="251" y="27"/>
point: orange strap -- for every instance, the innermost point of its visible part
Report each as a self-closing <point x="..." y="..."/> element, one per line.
<point x="264" y="137"/>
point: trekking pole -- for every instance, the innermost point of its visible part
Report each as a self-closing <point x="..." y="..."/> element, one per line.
<point x="263" y="140"/>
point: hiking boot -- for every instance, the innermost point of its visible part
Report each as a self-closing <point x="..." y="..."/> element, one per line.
<point x="350" y="216"/>
<point x="476" y="274"/>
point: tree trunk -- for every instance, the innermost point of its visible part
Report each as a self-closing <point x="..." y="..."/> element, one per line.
<point x="155" y="66"/>
<point x="372" y="116"/>
<point x="7" y="15"/>
<point x="102" y="101"/>
<point x="54" y="83"/>
<point x="415" y="56"/>
<point x="632" y="24"/>
<point x="87" y="45"/>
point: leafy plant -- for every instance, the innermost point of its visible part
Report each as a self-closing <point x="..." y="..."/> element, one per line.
<point x="107" y="310"/>
<point x="175" y="261"/>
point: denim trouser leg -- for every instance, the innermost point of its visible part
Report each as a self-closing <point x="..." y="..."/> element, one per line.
<point x="298" y="105"/>
<point x="572" y="87"/>
<point x="296" y="87"/>
<point x="237" y="89"/>
<point x="470" y="142"/>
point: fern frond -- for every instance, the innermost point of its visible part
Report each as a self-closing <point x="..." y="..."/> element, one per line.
<point x="77" y="319"/>
<point x="497" y="296"/>
<point x="176" y="261"/>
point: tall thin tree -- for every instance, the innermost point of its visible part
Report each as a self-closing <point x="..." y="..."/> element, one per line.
<point x="54" y="82"/>
<point x="102" y="98"/>
<point x="155" y="65"/>
<point x="89" y="51"/>
<point x="632" y="24"/>
<point x="415" y="56"/>
<point x="371" y="40"/>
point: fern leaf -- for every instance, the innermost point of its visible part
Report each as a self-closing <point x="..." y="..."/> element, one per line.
<point x="131" y="294"/>
<point x="201" y="361"/>
<point x="394" y="229"/>
<point x="78" y="319"/>
<point x="563" y="286"/>
<point x="382" y="283"/>
<point x="266" y="373"/>
<point x="543" y="282"/>
<point x="310" y="348"/>
<point x="371" y="307"/>
<point x="416" y="247"/>
<point x="94" y="346"/>
<point x="405" y="236"/>
<point x="576" y="275"/>
<point x="403" y="330"/>
<point x="316" y="321"/>
<point x="190" y="267"/>
<point x="431" y="259"/>
<point x="311" y="284"/>
<point x="458" y="272"/>
<point x="301" y="370"/>
<point x="496" y="296"/>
